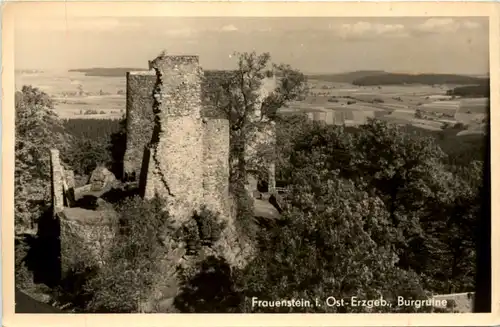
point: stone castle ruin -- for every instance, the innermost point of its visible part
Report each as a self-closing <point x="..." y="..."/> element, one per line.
<point x="140" y="118"/>
<point x="177" y="147"/>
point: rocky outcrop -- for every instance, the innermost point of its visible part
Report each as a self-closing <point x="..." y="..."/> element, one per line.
<point x="102" y="179"/>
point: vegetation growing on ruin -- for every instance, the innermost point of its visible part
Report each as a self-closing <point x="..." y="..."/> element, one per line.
<point x="236" y="94"/>
<point x="375" y="210"/>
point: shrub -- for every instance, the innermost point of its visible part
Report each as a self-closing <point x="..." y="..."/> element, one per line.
<point x="126" y="278"/>
<point x="90" y="112"/>
<point x="209" y="226"/>
<point x="23" y="277"/>
<point x="209" y="288"/>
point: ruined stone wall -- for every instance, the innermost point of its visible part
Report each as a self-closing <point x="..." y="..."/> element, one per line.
<point x="140" y="117"/>
<point x="260" y="150"/>
<point x="175" y="169"/>
<point x="216" y="165"/>
<point x="57" y="173"/>
<point x="86" y="236"/>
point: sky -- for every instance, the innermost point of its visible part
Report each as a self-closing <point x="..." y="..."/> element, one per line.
<point x="457" y="45"/>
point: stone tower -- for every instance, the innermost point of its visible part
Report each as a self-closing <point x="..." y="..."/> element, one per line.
<point x="172" y="166"/>
<point x="140" y="86"/>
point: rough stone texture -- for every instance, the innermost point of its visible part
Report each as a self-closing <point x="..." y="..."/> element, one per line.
<point x="216" y="165"/>
<point x="101" y="179"/>
<point x="80" y="191"/>
<point x="268" y="85"/>
<point x="251" y="184"/>
<point x="140" y="117"/>
<point x="277" y="201"/>
<point x="85" y="236"/>
<point x="175" y="169"/>
<point x="69" y="187"/>
<point x="264" y="209"/>
<point x="272" y="177"/>
<point x="57" y="173"/>
<point x="211" y="86"/>
<point x="186" y="158"/>
<point x="69" y="175"/>
<point x="259" y="151"/>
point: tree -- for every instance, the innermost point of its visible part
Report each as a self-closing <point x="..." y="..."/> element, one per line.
<point x="423" y="198"/>
<point x="335" y="241"/>
<point x="237" y="95"/>
<point x="38" y="129"/>
<point x="85" y="155"/>
<point x="289" y="128"/>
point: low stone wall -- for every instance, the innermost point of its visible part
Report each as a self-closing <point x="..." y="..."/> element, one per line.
<point x="85" y="237"/>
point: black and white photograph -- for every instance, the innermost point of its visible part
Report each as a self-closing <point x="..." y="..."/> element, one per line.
<point x="242" y="164"/>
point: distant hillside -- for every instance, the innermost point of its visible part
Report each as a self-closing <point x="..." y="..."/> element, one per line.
<point x="426" y="79"/>
<point x="346" y="77"/>
<point x="28" y="71"/>
<point x="106" y="72"/>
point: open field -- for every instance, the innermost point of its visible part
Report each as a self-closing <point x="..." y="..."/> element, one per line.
<point x="77" y="95"/>
<point x="394" y="103"/>
<point x="74" y="93"/>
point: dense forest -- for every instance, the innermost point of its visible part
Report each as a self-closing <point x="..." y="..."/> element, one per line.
<point x="425" y="79"/>
<point x="375" y="77"/>
<point x="349" y="77"/>
<point x="472" y="91"/>
<point x="378" y="210"/>
<point x="106" y="72"/>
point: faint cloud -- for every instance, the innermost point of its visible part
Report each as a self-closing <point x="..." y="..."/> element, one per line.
<point x="229" y="28"/>
<point x="438" y="25"/>
<point x="445" y="25"/>
<point x="264" y="29"/>
<point x="471" y="25"/>
<point x="76" y="24"/>
<point x="180" y="32"/>
<point x="364" y="30"/>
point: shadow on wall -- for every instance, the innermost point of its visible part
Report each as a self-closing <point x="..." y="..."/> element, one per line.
<point x="117" y="147"/>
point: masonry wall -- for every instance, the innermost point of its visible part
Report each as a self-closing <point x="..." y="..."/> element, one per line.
<point x="175" y="169"/>
<point x="140" y="117"/>
<point x="57" y="173"/>
<point x="216" y="165"/>
<point x="260" y="150"/>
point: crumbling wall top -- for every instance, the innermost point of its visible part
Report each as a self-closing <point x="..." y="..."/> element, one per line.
<point x="170" y="60"/>
<point x="142" y="72"/>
